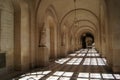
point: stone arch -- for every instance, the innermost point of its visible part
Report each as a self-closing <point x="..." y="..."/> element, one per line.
<point x="78" y="9"/>
<point x="52" y="20"/>
<point x="52" y="37"/>
<point x="52" y="12"/>
<point x="92" y="14"/>
<point x="90" y="22"/>
<point x="49" y="38"/>
<point x="47" y="35"/>
<point x="87" y="39"/>
<point x="37" y="6"/>
<point x="84" y="29"/>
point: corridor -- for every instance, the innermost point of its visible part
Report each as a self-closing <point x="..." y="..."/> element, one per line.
<point x="85" y="64"/>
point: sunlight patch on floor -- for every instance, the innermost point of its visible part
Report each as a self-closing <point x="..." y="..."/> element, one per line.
<point x="100" y="61"/>
<point x="79" y="58"/>
<point x="95" y="61"/>
<point x="72" y="54"/>
<point x="53" y="78"/>
<point x="60" y="75"/>
<point x="68" y="74"/>
<point x="107" y="76"/>
<point x="82" y="79"/>
<point x="81" y="54"/>
<point x="63" y="75"/>
<point x="117" y="76"/>
<point x="64" y="78"/>
<point x="87" y="61"/>
<point x="93" y="54"/>
<point x="34" y="75"/>
<point x="84" y="75"/>
<point x="62" y="61"/>
<point x="74" y="61"/>
<point x="97" y="76"/>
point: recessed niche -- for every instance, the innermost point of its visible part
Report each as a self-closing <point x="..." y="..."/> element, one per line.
<point x="2" y="60"/>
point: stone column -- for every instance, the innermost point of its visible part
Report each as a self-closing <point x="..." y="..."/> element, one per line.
<point x="63" y="46"/>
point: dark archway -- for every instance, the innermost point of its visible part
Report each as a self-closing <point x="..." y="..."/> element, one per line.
<point x="87" y="40"/>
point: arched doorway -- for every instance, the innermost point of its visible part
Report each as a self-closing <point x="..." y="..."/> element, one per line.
<point x="52" y="42"/>
<point x="87" y="40"/>
<point x="52" y="38"/>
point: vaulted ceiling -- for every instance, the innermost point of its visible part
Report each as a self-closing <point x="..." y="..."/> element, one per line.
<point x="88" y="12"/>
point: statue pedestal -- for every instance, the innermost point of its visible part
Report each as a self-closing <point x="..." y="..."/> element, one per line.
<point x="43" y="58"/>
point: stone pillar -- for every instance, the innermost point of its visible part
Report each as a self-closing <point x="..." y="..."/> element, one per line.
<point x="63" y="51"/>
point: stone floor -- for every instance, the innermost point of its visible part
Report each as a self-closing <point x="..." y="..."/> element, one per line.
<point x="85" y="64"/>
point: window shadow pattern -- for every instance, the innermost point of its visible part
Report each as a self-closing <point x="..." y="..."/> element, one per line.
<point x="85" y="64"/>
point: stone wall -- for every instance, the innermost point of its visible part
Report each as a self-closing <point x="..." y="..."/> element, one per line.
<point x="114" y="25"/>
<point x="7" y="33"/>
